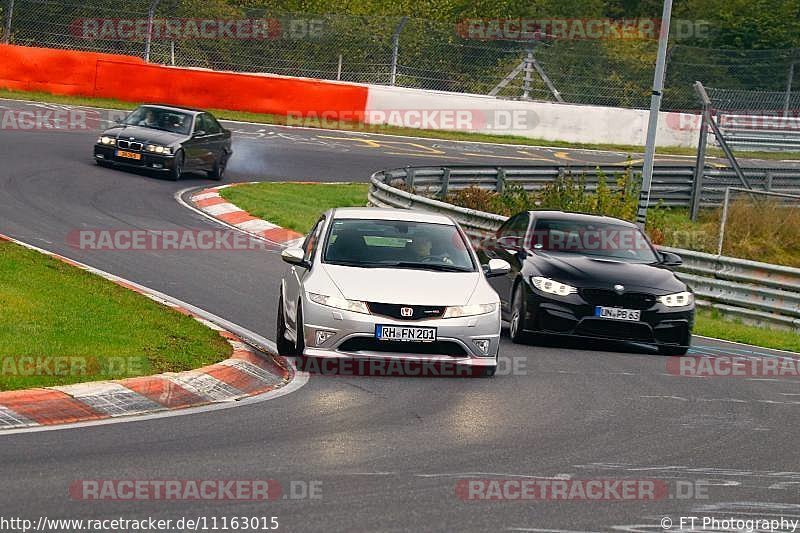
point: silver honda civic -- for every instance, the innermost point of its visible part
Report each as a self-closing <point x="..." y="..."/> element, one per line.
<point x="389" y="286"/>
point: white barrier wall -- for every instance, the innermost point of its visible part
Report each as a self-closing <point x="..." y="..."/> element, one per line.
<point x="418" y="108"/>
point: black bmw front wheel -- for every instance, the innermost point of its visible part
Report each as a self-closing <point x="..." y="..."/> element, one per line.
<point x="519" y="310"/>
<point x="177" y="167"/>
<point x="218" y="172"/>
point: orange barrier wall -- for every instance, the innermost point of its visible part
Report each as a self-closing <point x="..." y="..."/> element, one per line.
<point x="131" y="79"/>
<point x="25" y="68"/>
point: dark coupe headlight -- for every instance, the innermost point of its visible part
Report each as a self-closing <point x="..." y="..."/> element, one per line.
<point x="678" y="299"/>
<point x="551" y="286"/>
<point x="105" y="139"/>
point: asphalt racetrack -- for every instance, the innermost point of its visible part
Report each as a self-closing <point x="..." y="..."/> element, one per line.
<point x="387" y="453"/>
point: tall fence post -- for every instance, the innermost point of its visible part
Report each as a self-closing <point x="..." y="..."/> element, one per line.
<point x="787" y="99"/>
<point x="652" y="122"/>
<point x="9" y="18"/>
<point x="526" y="83"/>
<point x="151" y="13"/>
<point x="396" y="49"/>
<point x="700" y="163"/>
<point x="701" y="92"/>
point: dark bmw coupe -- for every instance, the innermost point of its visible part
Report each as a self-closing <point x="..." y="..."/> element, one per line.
<point x="591" y="277"/>
<point x="169" y="140"/>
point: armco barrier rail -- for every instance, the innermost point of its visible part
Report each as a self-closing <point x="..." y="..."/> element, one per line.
<point x="758" y="293"/>
<point x="672" y="185"/>
<point x="747" y="132"/>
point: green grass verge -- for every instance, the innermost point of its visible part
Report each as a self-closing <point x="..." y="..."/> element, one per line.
<point x="59" y="319"/>
<point x="295" y="205"/>
<point x="265" y="118"/>
<point x="711" y="324"/>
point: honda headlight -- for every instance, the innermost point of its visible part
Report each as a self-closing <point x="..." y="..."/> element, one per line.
<point x="468" y="310"/>
<point x="678" y="299"/>
<point x="339" y="303"/>
<point x="551" y="286"/>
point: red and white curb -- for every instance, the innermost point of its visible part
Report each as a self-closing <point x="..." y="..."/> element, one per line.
<point x="246" y="373"/>
<point x="212" y="204"/>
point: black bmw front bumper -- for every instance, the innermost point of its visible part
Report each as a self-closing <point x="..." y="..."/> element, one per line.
<point x="149" y="161"/>
<point x="574" y="315"/>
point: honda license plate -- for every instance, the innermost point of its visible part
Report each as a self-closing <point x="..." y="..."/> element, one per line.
<point x="404" y="333"/>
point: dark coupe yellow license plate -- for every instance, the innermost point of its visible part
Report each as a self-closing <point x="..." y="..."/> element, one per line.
<point x="129" y="155"/>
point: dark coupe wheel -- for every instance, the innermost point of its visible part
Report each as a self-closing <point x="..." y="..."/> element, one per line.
<point x="285" y="346"/>
<point x="519" y="308"/>
<point x="218" y="172"/>
<point x="177" y="169"/>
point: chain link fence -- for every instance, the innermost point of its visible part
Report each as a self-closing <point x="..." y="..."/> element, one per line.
<point x="408" y="52"/>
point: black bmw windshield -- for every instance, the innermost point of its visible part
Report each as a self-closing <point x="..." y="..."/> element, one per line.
<point x="397" y="244"/>
<point x="160" y="119"/>
<point x="614" y="241"/>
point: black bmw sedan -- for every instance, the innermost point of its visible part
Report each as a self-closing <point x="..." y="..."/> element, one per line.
<point x="168" y="140"/>
<point x="589" y="276"/>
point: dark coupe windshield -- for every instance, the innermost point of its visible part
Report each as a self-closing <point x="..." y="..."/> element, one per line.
<point x="614" y="241"/>
<point x="397" y="244"/>
<point x="160" y="119"/>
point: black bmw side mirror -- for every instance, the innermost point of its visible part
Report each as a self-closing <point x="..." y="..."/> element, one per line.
<point x="670" y="260"/>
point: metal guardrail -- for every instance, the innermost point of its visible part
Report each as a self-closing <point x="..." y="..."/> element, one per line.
<point x="747" y="132"/>
<point x="757" y="293"/>
<point x="672" y="185"/>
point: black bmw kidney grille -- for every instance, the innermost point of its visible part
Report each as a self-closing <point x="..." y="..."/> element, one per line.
<point x="609" y="298"/>
<point x="129" y="145"/>
<point x="419" y="312"/>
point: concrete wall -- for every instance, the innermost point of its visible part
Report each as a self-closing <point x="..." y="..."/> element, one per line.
<point x="541" y="120"/>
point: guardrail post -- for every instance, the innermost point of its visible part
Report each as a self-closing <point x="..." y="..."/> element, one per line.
<point x="501" y="180"/>
<point x="9" y="18"/>
<point x="768" y="181"/>
<point x="445" y="182"/>
<point x="409" y="179"/>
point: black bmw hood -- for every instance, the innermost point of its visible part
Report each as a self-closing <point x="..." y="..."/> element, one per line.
<point x="582" y="271"/>
<point x="148" y="135"/>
